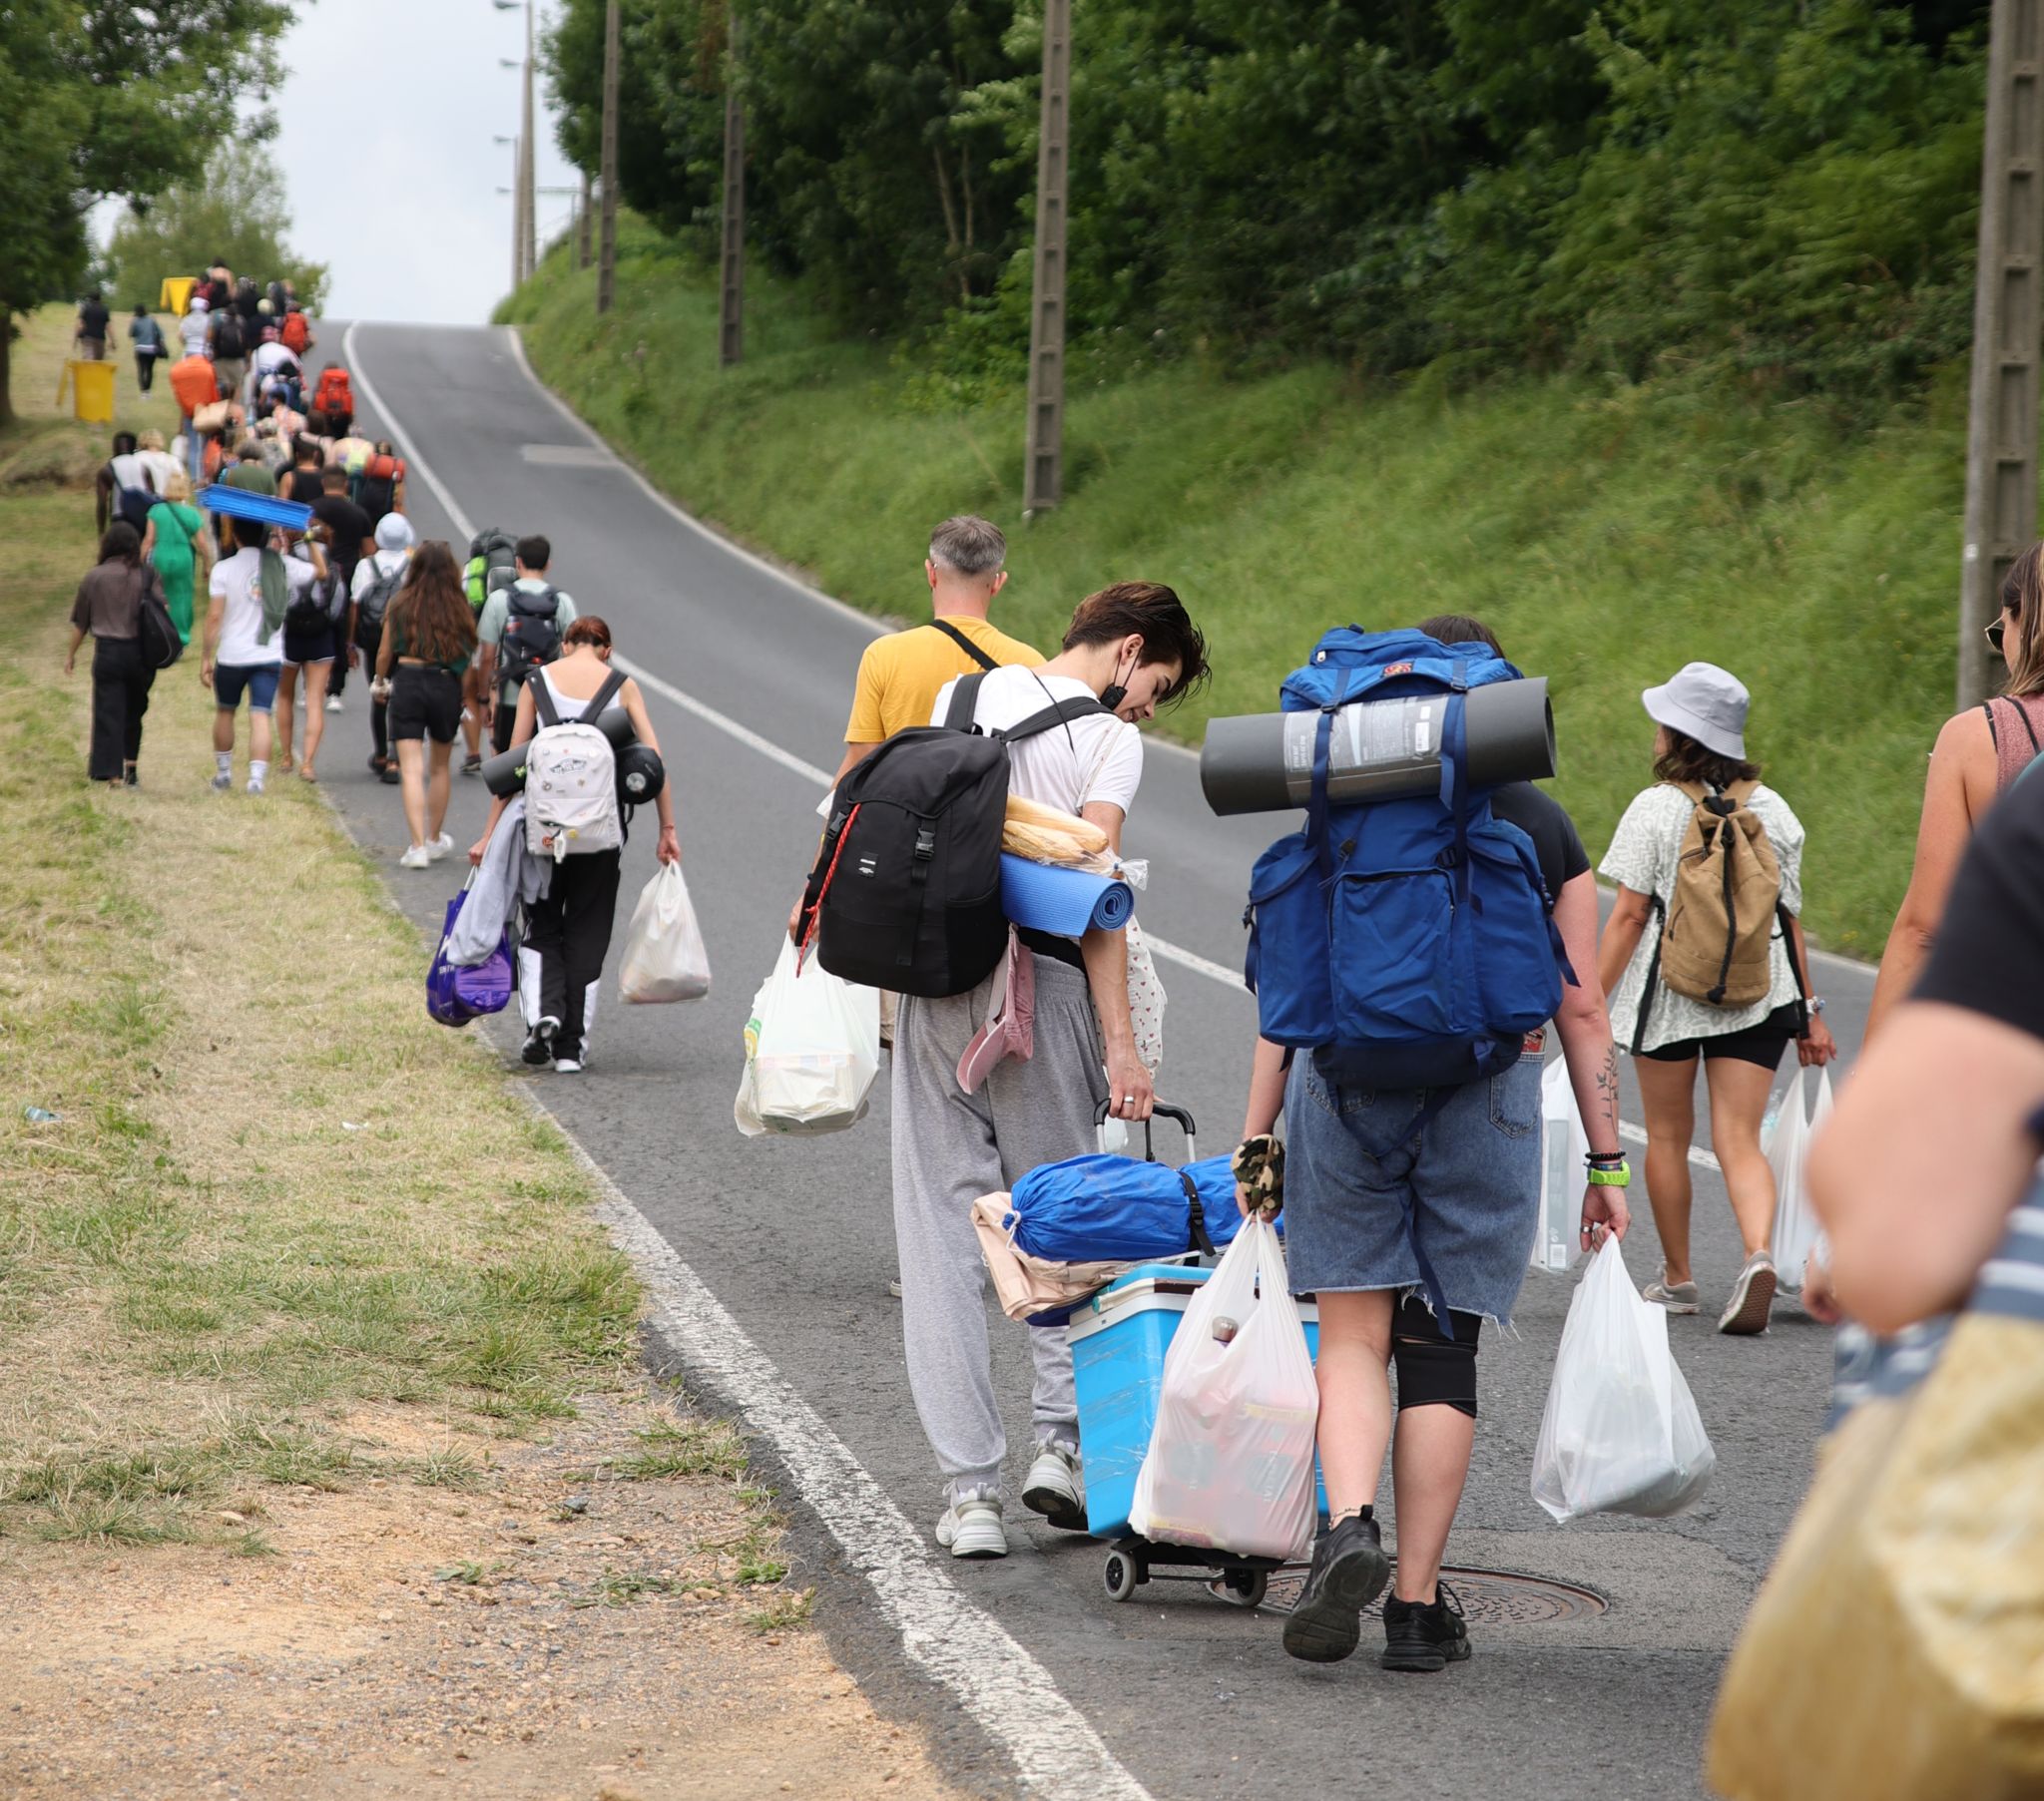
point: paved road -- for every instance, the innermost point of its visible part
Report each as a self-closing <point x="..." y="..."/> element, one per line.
<point x="1193" y="1698"/>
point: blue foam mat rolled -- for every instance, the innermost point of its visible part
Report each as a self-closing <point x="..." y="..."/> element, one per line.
<point x="1047" y="898"/>
<point x="263" y="509"/>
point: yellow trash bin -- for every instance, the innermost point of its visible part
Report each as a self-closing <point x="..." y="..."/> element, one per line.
<point x="175" y="295"/>
<point x="92" y="391"/>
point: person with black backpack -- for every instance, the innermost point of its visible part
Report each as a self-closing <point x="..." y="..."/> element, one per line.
<point x="1409" y="955"/>
<point x="521" y="628"/>
<point x="906" y="894"/>
<point x="377" y="579"/>
<point x="227" y="338"/>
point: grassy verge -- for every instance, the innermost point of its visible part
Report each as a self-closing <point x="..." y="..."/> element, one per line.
<point x="1608" y="534"/>
<point x="43" y="447"/>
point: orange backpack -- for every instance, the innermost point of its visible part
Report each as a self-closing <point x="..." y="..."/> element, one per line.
<point x="295" y="333"/>
<point x="334" y="395"/>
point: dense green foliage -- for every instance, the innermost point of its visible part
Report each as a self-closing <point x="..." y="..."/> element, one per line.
<point x="1778" y="191"/>
<point x="103" y="96"/>
<point x="1609" y="533"/>
<point x="237" y="211"/>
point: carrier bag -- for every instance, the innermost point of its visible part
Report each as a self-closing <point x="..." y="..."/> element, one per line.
<point x="812" y="1049"/>
<point x="457" y="993"/>
<point x="1795" y="1231"/>
<point x="1621" y="1434"/>
<point x="1230" y="1459"/>
<point x="1895" y="1647"/>
<point x="665" y="959"/>
<point x="1565" y="1157"/>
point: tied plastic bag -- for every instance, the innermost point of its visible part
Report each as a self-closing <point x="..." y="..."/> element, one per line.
<point x="665" y="959"/>
<point x="1231" y="1461"/>
<point x="1621" y="1434"/>
<point x="1565" y="1157"/>
<point x="813" y="1047"/>
<point x="1796" y="1231"/>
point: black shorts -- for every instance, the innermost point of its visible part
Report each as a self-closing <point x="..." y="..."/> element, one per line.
<point x="425" y="702"/>
<point x="1762" y="1044"/>
<point x="320" y="645"/>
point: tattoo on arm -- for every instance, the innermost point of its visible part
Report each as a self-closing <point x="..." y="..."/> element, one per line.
<point x="1607" y="1091"/>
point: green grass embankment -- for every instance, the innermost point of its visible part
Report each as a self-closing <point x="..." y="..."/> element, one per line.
<point x="1609" y="533"/>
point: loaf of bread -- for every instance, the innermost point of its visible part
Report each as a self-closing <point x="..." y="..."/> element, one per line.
<point x="1045" y="835"/>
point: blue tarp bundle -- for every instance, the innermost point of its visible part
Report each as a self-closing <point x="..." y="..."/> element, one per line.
<point x="1097" y="1209"/>
<point x="263" y="509"/>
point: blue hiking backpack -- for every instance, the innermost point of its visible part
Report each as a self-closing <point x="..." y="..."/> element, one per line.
<point x="1406" y="942"/>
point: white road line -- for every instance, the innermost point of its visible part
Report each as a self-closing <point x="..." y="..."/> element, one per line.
<point x="1008" y="1693"/>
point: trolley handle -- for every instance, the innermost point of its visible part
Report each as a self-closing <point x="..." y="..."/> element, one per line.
<point x="1177" y="1114"/>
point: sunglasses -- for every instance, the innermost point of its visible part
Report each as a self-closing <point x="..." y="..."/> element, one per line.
<point x="1995" y="634"/>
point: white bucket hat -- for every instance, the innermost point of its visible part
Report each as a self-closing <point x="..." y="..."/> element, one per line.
<point x="393" y="533"/>
<point x="1705" y="703"/>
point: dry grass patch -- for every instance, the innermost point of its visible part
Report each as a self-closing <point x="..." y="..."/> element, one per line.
<point x="45" y="448"/>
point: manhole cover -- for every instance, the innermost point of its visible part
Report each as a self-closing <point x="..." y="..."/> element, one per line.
<point x="1488" y="1596"/>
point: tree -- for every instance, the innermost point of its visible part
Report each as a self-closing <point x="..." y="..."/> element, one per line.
<point x="103" y="97"/>
<point x="236" y="212"/>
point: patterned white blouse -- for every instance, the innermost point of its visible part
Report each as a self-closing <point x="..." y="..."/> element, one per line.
<point x="1643" y="855"/>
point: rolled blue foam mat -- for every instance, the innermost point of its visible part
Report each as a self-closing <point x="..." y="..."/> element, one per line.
<point x="263" y="509"/>
<point x="1046" y="898"/>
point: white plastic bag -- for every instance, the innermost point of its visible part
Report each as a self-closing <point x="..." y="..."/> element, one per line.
<point x="813" y="1047"/>
<point x="1795" y="1227"/>
<point x="1621" y="1434"/>
<point x="1231" y="1461"/>
<point x="665" y="959"/>
<point x="1564" y="1168"/>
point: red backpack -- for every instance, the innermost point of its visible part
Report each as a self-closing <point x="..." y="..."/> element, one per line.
<point x="295" y="333"/>
<point x="334" y="396"/>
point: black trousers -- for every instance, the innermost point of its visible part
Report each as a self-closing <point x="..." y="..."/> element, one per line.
<point x="144" y="371"/>
<point x="369" y="640"/>
<point x="502" y="721"/>
<point x="569" y="932"/>
<point x="121" y="680"/>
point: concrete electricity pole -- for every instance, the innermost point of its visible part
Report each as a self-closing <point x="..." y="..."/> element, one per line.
<point x="607" y="254"/>
<point x="529" y="229"/>
<point x="2001" y="433"/>
<point x="1043" y="466"/>
<point x="731" y="298"/>
<point x="581" y="225"/>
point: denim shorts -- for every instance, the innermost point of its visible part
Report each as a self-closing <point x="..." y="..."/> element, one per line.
<point x="1360" y="1186"/>
<point x="260" y="678"/>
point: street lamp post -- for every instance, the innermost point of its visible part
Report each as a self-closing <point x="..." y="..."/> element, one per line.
<point x="527" y="254"/>
<point x="517" y="198"/>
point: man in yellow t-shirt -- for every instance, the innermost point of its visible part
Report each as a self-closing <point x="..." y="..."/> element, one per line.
<point x="900" y="675"/>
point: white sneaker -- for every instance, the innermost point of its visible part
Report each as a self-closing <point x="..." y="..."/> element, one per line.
<point x="222" y="783"/>
<point x="567" y="1066"/>
<point x="334" y="704"/>
<point x="1753" y="1298"/>
<point x="417" y="856"/>
<point x="440" y="846"/>
<point x="254" y="786"/>
<point x="971" y="1528"/>
<point x="1056" y="1487"/>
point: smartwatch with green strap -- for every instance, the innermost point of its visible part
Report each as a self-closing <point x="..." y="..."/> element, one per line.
<point x="1609" y="1171"/>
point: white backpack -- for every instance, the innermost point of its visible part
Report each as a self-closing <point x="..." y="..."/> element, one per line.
<point x="571" y="778"/>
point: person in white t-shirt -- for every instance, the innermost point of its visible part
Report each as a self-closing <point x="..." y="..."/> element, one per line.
<point x="244" y="647"/>
<point x="1131" y="649"/>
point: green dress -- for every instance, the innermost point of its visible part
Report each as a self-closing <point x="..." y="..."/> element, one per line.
<point x="177" y="525"/>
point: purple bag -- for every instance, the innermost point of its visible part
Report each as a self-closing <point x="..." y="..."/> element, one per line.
<point x="456" y="993"/>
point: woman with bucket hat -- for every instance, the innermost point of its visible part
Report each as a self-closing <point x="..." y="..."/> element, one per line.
<point x="1701" y="773"/>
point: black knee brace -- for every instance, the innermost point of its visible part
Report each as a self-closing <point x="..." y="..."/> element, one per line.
<point x="1434" y="1368"/>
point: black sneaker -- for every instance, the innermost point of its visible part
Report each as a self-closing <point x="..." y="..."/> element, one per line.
<point x="539" y="1043"/>
<point x="471" y="765"/>
<point x="1349" y="1572"/>
<point x="1425" y="1637"/>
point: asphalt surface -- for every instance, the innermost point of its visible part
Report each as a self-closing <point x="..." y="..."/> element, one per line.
<point x="1194" y="1698"/>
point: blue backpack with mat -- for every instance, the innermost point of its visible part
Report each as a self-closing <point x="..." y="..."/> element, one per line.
<point x="1405" y="942"/>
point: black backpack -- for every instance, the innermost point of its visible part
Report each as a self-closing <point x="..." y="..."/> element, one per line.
<point x="319" y="606"/>
<point x="375" y="601"/>
<point x="227" y="337"/>
<point x="532" y="631"/>
<point x="906" y="890"/>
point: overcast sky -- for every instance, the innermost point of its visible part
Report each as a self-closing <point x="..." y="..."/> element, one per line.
<point x="385" y="120"/>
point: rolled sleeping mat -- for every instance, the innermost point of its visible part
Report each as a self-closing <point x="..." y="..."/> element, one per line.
<point x="263" y="509"/>
<point x="1378" y="751"/>
<point x="1069" y="902"/>
<point x="505" y="772"/>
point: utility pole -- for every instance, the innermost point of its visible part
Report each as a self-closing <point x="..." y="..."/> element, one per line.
<point x="2001" y="431"/>
<point x="731" y="298"/>
<point x="606" y="263"/>
<point x="529" y="228"/>
<point x="581" y="225"/>
<point x="1043" y="465"/>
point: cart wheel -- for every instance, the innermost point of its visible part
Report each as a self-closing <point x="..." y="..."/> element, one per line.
<point x="1121" y="1576"/>
<point x="1245" y="1587"/>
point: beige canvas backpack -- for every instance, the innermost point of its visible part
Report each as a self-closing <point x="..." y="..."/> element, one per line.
<point x="1720" y="924"/>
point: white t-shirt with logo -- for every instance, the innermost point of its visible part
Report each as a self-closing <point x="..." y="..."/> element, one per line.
<point x="1095" y="758"/>
<point x="236" y="581"/>
<point x="271" y="357"/>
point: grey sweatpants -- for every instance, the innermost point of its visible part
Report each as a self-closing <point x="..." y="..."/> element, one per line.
<point x="951" y="1148"/>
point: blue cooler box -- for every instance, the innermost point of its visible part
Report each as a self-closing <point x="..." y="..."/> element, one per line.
<point x="1119" y="1339"/>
